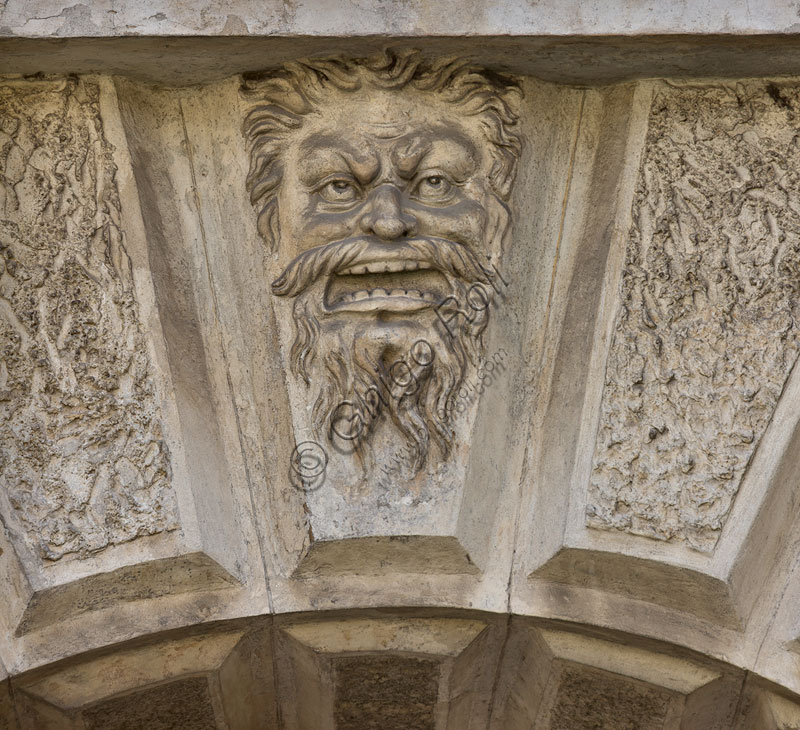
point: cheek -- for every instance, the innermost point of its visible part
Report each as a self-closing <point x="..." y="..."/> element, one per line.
<point x="304" y="227"/>
<point x="463" y="222"/>
<point x="321" y="228"/>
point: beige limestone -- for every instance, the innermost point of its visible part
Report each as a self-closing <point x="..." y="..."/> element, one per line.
<point x="84" y="455"/>
<point x="54" y="18"/>
<point x="415" y="672"/>
<point x="220" y="680"/>
<point x="99" y="236"/>
<point x="706" y="335"/>
<point x="646" y="333"/>
<point x="7" y="712"/>
<point x="570" y="59"/>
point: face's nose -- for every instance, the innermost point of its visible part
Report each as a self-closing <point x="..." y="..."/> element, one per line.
<point x="384" y="215"/>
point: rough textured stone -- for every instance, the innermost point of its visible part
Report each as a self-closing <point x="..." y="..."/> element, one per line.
<point x="82" y="459"/>
<point x="590" y="699"/>
<point x="382" y="189"/>
<point x="7" y="720"/>
<point x="198" y="681"/>
<point x="469" y="593"/>
<point x="185" y="704"/>
<point x="708" y="326"/>
<point x="386" y="692"/>
<point x="387" y="229"/>
<point x="58" y="18"/>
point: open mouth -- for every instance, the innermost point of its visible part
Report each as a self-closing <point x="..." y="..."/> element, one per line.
<point x="399" y="286"/>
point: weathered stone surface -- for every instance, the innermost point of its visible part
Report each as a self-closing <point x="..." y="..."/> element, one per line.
<point x="217" y="679"/>
<point x="460" y="584"/>
<point x="374" y="692"/>
<point x="386" y="228"/>
<point x="186" y="704"/>
<point x="7" y="719"/>
<point x="382" y="192"/>
<point x="589" y="699"/>
<point x="602" y="59"/>
<point x="387" y="672"/>
<point x="707" y="331"/>
<point x="82" y="460"/>
<point x="58" y="18"/>
<point x="564" y="681"/>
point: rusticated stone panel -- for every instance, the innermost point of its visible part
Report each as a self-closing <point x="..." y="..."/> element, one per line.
<point x="82" y="458"/>
<point x="185" y="703"/>
<point x="386" y="692"/>
<point x="218" y="680"/>
<point x="588" y="699"/>
<point x="7" y="720"/>
<point x="707" y="330"/>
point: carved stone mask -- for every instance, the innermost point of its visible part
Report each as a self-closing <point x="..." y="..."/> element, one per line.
<point x="382" y="182"/>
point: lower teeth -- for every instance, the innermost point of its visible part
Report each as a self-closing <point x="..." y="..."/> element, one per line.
<point x="383" y="293"/>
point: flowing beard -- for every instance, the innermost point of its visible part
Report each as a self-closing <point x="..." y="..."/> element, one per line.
<point x="406" y="368"/>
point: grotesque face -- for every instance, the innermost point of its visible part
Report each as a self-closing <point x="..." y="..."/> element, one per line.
<point x="398" y="191"/>
<point x="384" y="210"/>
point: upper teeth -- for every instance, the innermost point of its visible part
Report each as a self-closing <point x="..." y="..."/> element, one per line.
<point x="381" y="267"/>
<point x="370" y="293"/>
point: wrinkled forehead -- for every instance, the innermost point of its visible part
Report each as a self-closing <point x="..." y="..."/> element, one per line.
<point x="368" y="127"/>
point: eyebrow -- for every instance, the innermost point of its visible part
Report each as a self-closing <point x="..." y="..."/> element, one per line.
<point x="409" y="157"/>
<point x="322" y="153"/>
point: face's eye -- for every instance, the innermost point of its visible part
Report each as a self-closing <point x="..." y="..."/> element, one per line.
<point x="433" y="188"/>
<point x="339" y="191"/>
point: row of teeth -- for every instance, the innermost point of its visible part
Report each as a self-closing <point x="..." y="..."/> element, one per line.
<point x="373" y="293"/>
<point x="384" y="267"/>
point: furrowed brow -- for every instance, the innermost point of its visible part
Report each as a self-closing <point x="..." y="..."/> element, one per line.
<point x="323" y="154"/>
